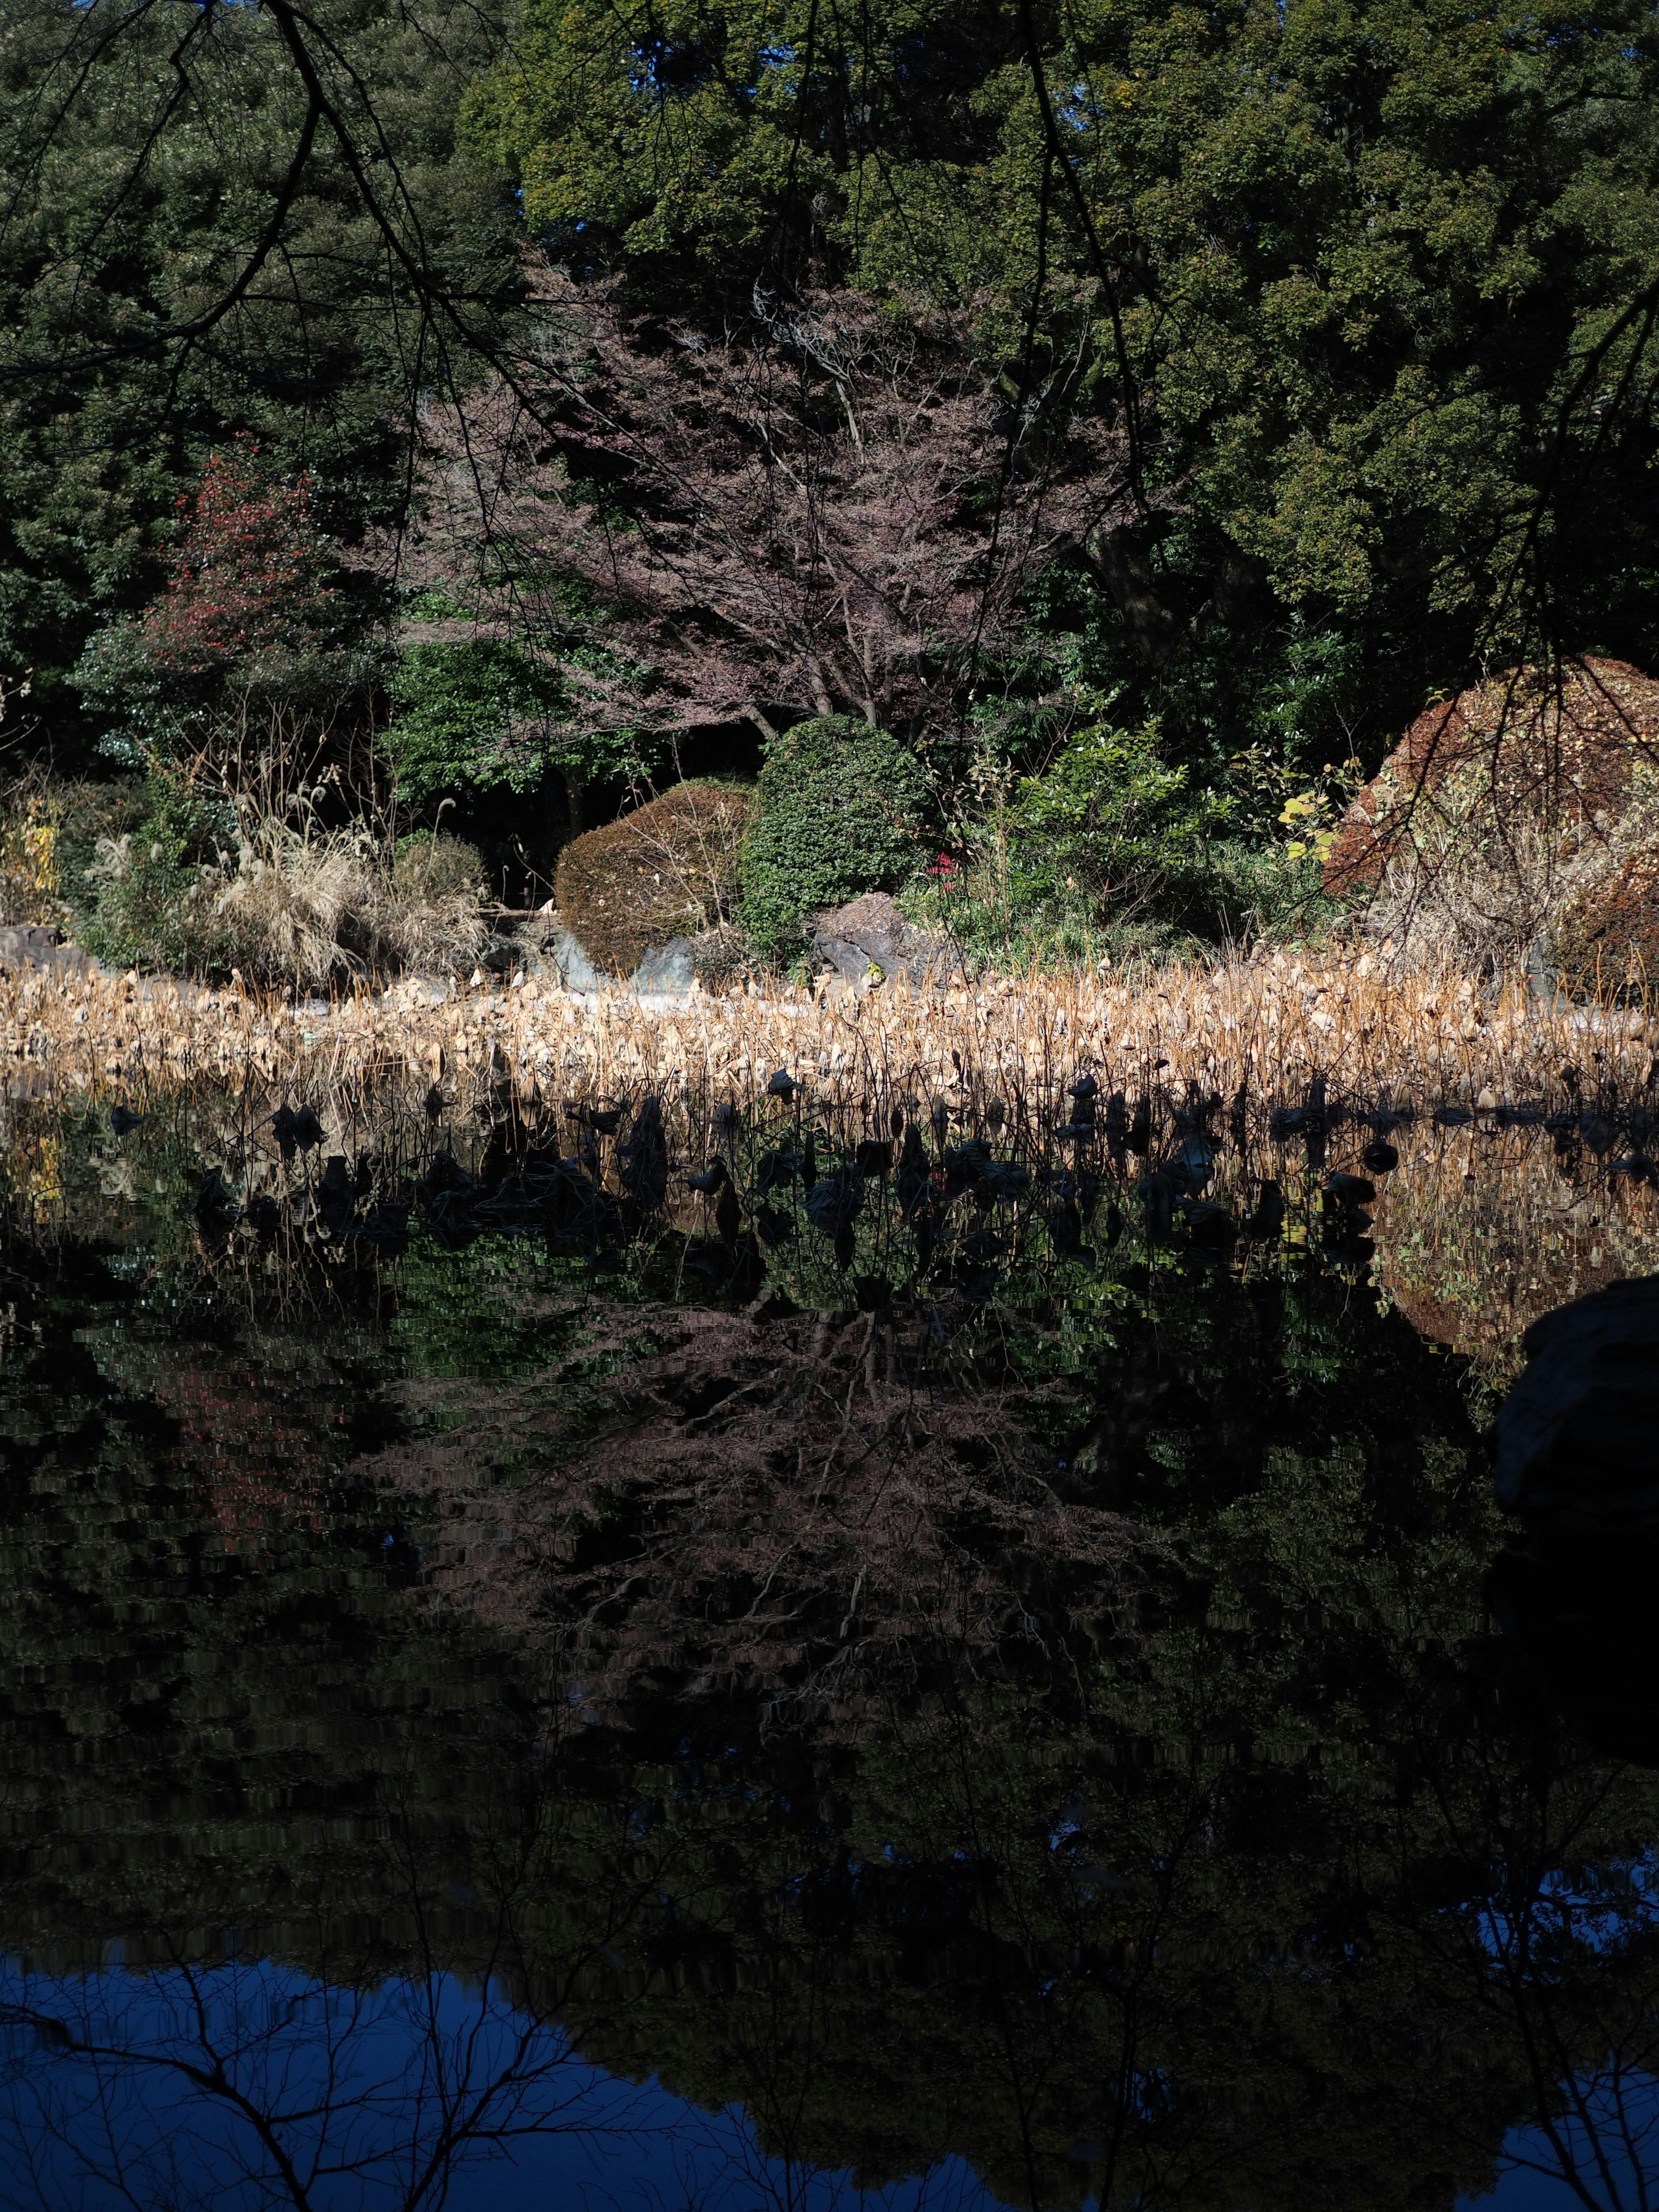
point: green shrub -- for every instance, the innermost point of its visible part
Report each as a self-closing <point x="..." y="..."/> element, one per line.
<point x="474" y="716"/>
<point x="1109" y="851"/>
<point x="478" y="715"/>
<point x="152" y="905"/>
<point x="1251" y="891"/>
<point x="87" y="814"/>
<point x="838" y="812"/>
<point x="1111" y="827"/>
<point x="670" y="869"/>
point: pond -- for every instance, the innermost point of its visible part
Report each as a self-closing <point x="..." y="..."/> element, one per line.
<point x="926" y="1668"/>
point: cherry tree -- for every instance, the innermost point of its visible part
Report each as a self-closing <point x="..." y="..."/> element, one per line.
<point x="829" y="509"/>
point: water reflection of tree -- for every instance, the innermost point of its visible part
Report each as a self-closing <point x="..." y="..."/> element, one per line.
<point x="1288" y="1887"/>
<point x="243" y="2085"/>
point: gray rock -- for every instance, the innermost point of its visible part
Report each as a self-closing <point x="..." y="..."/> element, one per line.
<point x="667" y="971"/>
<point x="1578" y="1434"/>
<point x="576" y="971"/>
<point x="871" y="933"/>
<point x="26" y="945"/>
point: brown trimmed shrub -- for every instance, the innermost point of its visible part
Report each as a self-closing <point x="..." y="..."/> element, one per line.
<point x="1507" y="816"/>
<point x="670" y="869"/>
<point x="1516" y="749"/>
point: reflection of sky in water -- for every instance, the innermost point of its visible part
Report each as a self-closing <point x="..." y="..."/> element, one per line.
<point x="1604" y="2156"/>
<point x="1602" y="2151"/>
<point x="1619" y="1906"/>
<point x="246" y="2086"/>
<point x="251" y="2085"/>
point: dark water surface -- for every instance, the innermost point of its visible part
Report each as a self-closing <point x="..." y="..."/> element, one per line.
<point x="512" y="1698"/>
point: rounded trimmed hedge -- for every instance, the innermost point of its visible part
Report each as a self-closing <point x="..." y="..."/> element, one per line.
<point x="837" y="812"/>
<point x="669" y="869"/>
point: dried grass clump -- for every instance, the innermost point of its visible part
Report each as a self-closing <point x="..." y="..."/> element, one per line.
<point x="1363" y="1026"/>
<point x="429" y="916"/>
<point x="308" y="907"/>
<point x="299" y="907"/>
<point x="670" y="869"/>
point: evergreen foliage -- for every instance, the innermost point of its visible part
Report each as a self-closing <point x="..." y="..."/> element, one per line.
<point x="1109" y="823"/>
<point x="1271" y="369"/>
<point x="472" y="716"/>
<point x="1374" y="288"/>
<point x="838" y="811"/>
<point x="151" y="906"/>
<point x="187" y="251"/>
<point x="248" y="623"/>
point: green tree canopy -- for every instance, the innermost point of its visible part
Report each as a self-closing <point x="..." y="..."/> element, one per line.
<point x="216" y="220"/>
<point x="1373" y="284"/>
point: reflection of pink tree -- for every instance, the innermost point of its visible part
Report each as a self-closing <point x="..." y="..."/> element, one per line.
<point x="832" y="511"/>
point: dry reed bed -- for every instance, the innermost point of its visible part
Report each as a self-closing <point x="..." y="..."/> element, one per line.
<point x="1272" y="1026"/>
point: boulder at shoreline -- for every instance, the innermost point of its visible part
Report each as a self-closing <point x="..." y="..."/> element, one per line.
<point x="870" y="932"/>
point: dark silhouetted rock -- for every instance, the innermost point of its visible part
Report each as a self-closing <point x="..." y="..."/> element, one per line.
<point x="1582" y="1612"/>
<point x="1578" y="1434"/>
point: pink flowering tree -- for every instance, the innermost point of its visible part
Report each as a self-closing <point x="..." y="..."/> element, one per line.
<point x="829" y="510"/>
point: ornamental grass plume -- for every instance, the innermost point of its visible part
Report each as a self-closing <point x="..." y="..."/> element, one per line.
<point x="298" y="906"/>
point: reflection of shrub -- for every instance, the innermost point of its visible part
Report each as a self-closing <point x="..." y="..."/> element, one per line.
<point x="667" y="869"/>
<point x="837" y="813"/>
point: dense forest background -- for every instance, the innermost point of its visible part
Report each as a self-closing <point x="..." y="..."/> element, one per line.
<point x="474" y="418"/>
